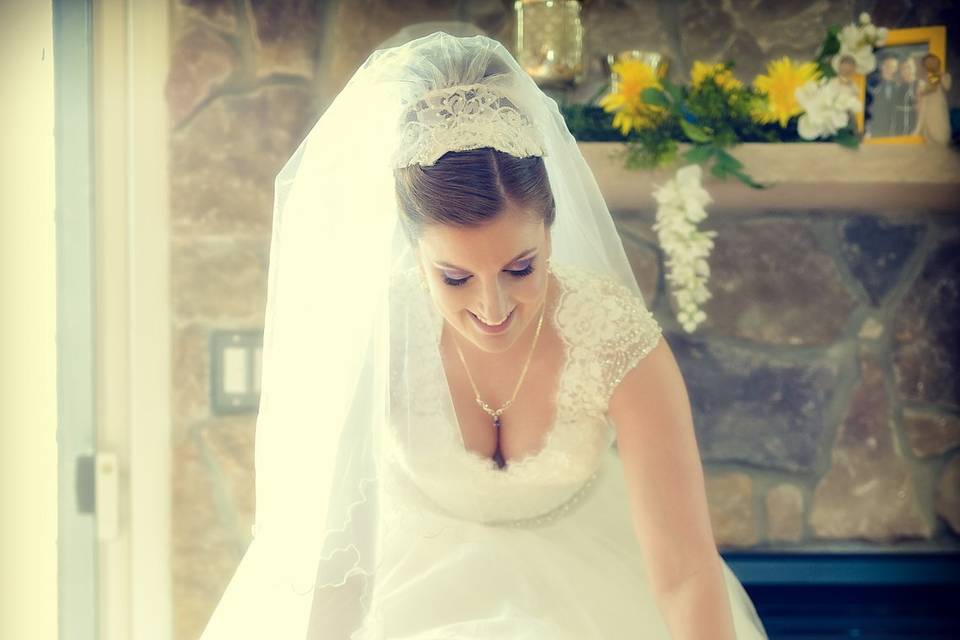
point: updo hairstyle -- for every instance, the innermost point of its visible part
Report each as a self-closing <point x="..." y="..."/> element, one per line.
<point x="470" y="188"/>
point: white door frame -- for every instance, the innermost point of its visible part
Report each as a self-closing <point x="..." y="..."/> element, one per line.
<point x="130" y="63"/>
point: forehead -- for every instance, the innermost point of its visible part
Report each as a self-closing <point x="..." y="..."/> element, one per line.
<point x="492" y="244"/>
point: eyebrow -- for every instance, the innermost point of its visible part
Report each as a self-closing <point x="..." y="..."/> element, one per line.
<point x="519" y="256"/>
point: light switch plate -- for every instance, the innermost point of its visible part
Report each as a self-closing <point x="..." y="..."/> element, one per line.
<point x="235" y="358"/>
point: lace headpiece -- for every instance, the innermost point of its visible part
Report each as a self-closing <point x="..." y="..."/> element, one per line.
<point x="465" y="117"/>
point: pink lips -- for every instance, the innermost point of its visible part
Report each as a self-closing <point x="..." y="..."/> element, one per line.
<point x="500" y="328"/>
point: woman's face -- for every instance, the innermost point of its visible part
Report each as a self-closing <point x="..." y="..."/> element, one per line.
<point x="488" y="282"/>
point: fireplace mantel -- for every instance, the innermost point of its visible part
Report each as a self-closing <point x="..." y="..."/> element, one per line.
<point x="805" y="176"/>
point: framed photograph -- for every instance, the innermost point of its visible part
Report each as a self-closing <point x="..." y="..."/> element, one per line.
<point x="890" y="93"/>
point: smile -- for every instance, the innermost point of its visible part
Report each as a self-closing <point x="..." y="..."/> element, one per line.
<point x="493" y="328"/>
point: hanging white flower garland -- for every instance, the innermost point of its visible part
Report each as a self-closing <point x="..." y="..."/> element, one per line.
<point x="680" y="207"/>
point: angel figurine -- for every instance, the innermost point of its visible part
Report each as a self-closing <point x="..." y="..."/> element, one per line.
<point x="846" y="80"/>
<point x="933" y="117"/>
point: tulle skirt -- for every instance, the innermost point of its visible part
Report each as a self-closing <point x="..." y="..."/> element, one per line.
<point x="574" y="577"/>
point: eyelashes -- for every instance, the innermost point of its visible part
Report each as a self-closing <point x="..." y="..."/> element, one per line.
<point x="454" y="282"/>
<point x="516" y="273"/>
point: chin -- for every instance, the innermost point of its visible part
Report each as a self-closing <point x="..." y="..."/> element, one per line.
<point x="493" y="344"/>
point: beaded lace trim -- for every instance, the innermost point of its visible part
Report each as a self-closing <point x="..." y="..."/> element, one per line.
<point x="554" y="514"/>
<point x="465" y="117"/>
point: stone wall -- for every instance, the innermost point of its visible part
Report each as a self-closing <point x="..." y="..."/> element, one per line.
<point x="824" y="381"/>
<point x="823" y="385"/>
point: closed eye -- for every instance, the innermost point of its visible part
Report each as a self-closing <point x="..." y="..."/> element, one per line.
<point x="516" y="273"/>
<point x="522" y="273"/>
<point x="454" y="282"/>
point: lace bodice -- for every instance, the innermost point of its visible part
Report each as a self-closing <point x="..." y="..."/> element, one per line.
<point x="606" y="330"/>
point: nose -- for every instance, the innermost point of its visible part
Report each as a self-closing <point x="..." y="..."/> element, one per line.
<point x="493" y="302"/>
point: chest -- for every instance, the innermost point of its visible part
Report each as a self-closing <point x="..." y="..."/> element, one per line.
<point x="528" y="421"/>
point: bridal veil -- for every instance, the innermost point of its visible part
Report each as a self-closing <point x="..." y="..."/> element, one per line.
<point x="328" y="342"/>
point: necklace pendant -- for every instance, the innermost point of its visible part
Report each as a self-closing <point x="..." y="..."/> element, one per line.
<point x="496" y="422"/>
<point x="499" y="459"/>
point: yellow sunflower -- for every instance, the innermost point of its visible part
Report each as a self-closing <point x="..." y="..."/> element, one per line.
<point x="631" y="112"/>
<point x="780" y="85"/>
<point x="722" y="76"/>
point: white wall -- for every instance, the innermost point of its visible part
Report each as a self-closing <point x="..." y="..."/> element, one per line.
<point x="28" y="395"/>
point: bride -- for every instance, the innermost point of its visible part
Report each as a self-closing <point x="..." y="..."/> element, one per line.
<point x="470" y="424"/>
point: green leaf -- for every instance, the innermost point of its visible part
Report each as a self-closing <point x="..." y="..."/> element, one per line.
<point x="700" y="153"/>
<point x="669" y="154"/>
<point x="673" y="90"/>
<point x="695" y="133"/>
<point x="830" y="44"/>
<point x="649" y="155"/>
<point x="847" y="138"/>
<point x="719" y="170"/>
<point x="747" y="180"/>
<point x="728" y="160"/>
<point x="655" y="97"/>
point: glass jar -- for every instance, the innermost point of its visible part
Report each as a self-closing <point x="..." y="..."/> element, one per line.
<point x="657" y="61"/>
<point x="549" y="43"/>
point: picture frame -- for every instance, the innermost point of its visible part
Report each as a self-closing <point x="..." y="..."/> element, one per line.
<point x="889" y="92"/>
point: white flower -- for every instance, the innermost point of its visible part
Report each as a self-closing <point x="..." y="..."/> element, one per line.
<point x="863" y="58"/>
<point x="827" y="105"/>
<point x="681" y="205"/>
<point x="858" y="40"/>
<point x="851" y="37"/>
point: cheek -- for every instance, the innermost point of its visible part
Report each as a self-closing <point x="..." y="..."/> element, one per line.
<point x="530" y="290"/>
<point x="447" y="299"/>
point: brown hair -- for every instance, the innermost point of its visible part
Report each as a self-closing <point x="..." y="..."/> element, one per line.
<point x="470" y="188"/>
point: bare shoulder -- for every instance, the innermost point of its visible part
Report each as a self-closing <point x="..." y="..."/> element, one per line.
<point x="647" y="380"/>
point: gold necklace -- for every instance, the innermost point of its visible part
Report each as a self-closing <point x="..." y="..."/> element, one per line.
<point x="495" y="413"/>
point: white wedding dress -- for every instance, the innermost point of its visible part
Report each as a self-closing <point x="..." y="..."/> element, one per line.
<point x="543" y="549"/>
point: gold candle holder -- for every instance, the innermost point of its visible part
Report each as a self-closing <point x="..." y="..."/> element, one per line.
<point x="549" y="44"/>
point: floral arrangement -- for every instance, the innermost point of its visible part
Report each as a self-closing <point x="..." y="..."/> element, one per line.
<point x="857" y="40"/>
<point x="716" y="110"/>
<point x="826" y="107"/>
<point x="793" y="100"/>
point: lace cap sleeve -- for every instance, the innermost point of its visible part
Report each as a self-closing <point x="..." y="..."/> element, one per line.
<point x="610" y="328"/>
<point x="631" y="333"/>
